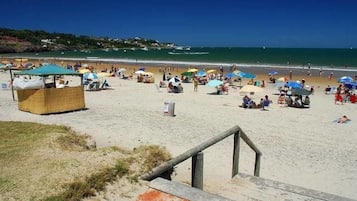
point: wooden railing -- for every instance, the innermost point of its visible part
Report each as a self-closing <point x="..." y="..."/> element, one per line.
<point x="197" y="158"/>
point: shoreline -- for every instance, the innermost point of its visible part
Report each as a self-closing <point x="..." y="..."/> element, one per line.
<point x="176" y="68"/>
<point x="183" y="64"/>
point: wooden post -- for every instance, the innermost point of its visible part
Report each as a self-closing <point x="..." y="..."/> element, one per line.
<point x="188" y="154"/>
<point x="236" y="149"/>
<point x="197" y="171"/>
<point x="257" y="164"/>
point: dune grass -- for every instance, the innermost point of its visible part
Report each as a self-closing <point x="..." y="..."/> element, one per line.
<point x="53" y="163"/>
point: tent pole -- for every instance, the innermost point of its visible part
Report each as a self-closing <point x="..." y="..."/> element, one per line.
<point x="12" y="87"/>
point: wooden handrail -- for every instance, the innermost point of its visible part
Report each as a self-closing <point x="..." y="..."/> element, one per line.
<point x="197" y="150"/>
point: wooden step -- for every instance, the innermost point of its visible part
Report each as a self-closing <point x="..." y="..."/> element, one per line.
<point x="169" y="190"/>
<point x="242" y="187"/>
<point x="246" y="187"/>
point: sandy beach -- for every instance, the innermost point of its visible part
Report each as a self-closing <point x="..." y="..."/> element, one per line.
<point x="303" y="147"/>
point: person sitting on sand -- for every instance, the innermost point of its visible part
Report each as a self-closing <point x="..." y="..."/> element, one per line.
<point x="247" y="102"/>
<point x="343" y="119"/>
<point x="281" y="99"/>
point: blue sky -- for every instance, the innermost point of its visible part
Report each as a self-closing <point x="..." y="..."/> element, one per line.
<point x="234" y="23"/>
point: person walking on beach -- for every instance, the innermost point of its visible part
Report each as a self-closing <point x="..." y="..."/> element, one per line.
<point x="195" y="84"/>
<point x="290" y="75"/>
<point x="331" y="75"/>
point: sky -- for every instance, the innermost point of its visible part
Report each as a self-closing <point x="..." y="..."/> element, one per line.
<point x="196" y="23"/>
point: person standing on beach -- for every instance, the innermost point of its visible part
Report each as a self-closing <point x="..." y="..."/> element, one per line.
<point x="195" y="84"/>
<point x="290" y="75"/>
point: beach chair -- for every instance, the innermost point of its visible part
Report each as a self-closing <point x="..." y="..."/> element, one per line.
<point x="158" y="88"/>
<point x="353" y="98"/>
<point x="105" y="85"/>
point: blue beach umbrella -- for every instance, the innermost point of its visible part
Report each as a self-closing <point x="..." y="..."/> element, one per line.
<point x="90" y="75"/>
<point x="201" y="73"/>
<point x="271" y="73"/>
<point x="214" y="83"/>
<point x="246" y="75"/>
<point x="345" y="79"/>
<point x="231" y="75"/>
<point x="293" y="85"/>
<point x="351" y="85"/>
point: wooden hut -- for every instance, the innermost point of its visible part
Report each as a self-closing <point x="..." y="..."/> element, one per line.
<point x="50" y="99"/>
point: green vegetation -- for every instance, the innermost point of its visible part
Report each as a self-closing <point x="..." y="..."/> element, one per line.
<point x="40" y="160"/>
<point x="37" y="41"/>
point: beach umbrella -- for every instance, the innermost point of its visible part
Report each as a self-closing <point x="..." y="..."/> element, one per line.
<point x="21" y="59"/>
<point x="201" y="73"/>
<point x="271" y="73"/>
<point x="236" y="72"/>
<point x="187" y="73"/>
<point x="279" y="84"/>
<point x="139" y="72"/>
<point x="250" y="89"/>
<point x="282" y="79"/>
<point x="214" y="83"/>
<point x="84" y="70"/>
<point x="231" y="75"/>
<point x="90" y="75"/>
<point x="175" y="81"/>
<point x="192" y="70"/>
<point x="299" y="91"/>
<point x="246" y="75"/>
<point x="148" y="73"/>
<point x="121" y="70"/>
<point x="293" y="84"/>
<point x="104" y="74"/>
<point x="28" y="65"/>
<point x="211" y="71"/>
<point x="351" y="85"/>
<point x="345" y="79"/>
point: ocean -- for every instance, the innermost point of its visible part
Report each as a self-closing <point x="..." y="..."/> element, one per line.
<point x="285" y="57"/>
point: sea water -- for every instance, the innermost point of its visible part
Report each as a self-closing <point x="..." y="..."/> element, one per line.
<point x="288" y="57"/>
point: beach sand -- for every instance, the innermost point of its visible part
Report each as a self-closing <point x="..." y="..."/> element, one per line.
<point x="303" y="147"/>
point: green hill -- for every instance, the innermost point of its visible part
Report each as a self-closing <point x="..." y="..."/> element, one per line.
<point x="12" y="41"/>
